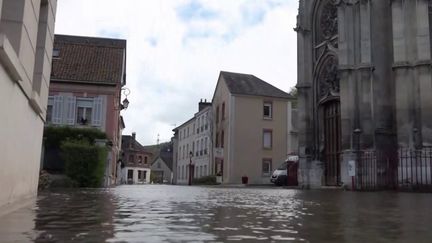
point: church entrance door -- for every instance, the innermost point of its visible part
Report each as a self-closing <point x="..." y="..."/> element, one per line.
<point x="332" y="144"/>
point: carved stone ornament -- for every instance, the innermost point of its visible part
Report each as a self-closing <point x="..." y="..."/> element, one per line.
<point x="329" y="79"/>
<point x="328" y="20"/>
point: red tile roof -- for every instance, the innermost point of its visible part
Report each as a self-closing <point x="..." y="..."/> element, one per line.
<point x="89" y="60"/>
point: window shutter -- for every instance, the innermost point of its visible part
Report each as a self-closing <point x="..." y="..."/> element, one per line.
<point x="97" y="112"/>
<point x="71" y="110"/>
<point x="57" y="110"/>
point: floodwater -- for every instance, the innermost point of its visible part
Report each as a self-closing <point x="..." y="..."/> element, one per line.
<point x="163" y="213"/>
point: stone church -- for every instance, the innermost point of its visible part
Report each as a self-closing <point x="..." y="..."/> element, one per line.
<point x="365" y="93"/>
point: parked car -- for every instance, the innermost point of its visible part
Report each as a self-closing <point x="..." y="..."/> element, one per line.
<point x="279" y="176"/>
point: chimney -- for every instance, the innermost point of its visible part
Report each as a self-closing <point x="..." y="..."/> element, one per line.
<point x="134" y="135"/>
<point x="203" y="104"/>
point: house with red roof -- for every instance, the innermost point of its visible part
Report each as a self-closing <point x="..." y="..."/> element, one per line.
<point x="87" y="77"/>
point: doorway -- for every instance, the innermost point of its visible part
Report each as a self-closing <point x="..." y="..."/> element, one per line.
<point x="332" y="143"/>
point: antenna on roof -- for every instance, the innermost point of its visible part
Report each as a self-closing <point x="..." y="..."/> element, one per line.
<point x="157" y="141"/>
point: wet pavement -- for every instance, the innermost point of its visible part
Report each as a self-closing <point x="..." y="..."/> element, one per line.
<point x="163" y="213"/>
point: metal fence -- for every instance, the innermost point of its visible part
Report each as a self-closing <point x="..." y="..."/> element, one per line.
<point x="405" y="169"/>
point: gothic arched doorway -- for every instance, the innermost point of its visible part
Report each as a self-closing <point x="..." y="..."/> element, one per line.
<point x="332" y="146"/>
<point x="327" y="101"/>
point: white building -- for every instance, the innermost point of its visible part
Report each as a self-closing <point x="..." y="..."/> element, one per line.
<point x="26" y="41"/>
<point x="193" y="146"/>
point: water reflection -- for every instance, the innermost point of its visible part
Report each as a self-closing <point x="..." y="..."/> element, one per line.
<point x="155" y="213"/>
<point x="78" y="216"/>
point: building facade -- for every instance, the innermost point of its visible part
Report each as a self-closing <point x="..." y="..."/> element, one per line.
<point x="192" y="142"/>
<point x="364" y="85"/>
<point x="135" y="161"/>
<point x="250" y="128"/>
<point x="87" y="76"/>
<point x="26" y="41"/>
<point x="161" y="167"/>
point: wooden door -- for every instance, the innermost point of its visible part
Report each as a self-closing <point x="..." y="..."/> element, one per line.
<point x="332" y="144"/>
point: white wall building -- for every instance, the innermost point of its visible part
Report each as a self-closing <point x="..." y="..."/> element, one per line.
<point x="193" y="145"/>
<point x="26" y="43"/>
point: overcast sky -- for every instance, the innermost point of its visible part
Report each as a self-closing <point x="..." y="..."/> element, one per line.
<point x="176" y="48"/>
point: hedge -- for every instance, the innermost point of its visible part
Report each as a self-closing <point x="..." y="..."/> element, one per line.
<point x="84" y="162"/>
<point x="54" y="136"/>
<point x="205" y="180"/>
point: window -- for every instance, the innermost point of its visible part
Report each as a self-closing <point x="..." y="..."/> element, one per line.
<point x="159" y="165"/>
<point x="188" y="131"/>
<point x="49" y="113"/>
<point x="131" y="158"/>
<point x="223" y="111"/>
<point x="56" y="53"/>
<point x="205" y="170"/>
<point x="222" y="139"/>
<point x="130" y="175"/>
<point x="145" y="160"/>
<point x="267" y="110"/>
<point x="217" y="114"/>
<point x="84" y="111"/>
<point x="84" y="115"/>
<point x="205" y="145"/>
<point x="217" y="140"/>
<point x="267" y="139"/>
<point x="266" y="167"/>
<point x="140" y="175"/>
<point x="139" y="159"/>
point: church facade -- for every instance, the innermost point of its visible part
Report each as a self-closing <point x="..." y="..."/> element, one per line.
<point x="365" y="93"/>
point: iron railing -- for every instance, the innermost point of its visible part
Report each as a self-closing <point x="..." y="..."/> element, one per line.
<point x="405" y="169"/>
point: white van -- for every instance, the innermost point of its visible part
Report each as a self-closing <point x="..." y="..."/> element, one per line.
<point x="279" y="176"/>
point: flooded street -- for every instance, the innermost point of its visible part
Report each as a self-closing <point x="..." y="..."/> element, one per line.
<point x="159" y="213"/>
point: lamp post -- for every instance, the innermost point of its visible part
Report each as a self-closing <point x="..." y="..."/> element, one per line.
<point x="190" y="167"/>
<point x="125" y="102"/>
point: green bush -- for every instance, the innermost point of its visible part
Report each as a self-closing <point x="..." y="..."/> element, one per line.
<point x="84" y="162"/>
<point x="54" y="136"/>
<point x="205" y="180"/>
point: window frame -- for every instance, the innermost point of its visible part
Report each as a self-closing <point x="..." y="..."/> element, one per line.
<point x="269" y="104"/>
<point x="270" y="131"/>
<point x="269" y="172"/>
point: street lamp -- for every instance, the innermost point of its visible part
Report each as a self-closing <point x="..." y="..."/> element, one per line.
<point x="190" y="167"/>
<point x="125" y="103"/>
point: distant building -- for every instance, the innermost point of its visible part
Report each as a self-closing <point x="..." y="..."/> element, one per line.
<point x="251" y="128"/>
<point x="192" y="143"/>
<point x="161" y="168"/>
<point x="135" y="161"/>
<point x="87" y="76"/>
<point x="26" y="37"/>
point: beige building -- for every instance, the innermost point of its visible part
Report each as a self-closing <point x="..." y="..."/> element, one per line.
<point x="26" y="43"/>
<point x="252" y="127"/>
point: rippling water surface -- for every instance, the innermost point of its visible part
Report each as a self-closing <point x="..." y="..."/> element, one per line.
<point x="157" y="213"/>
